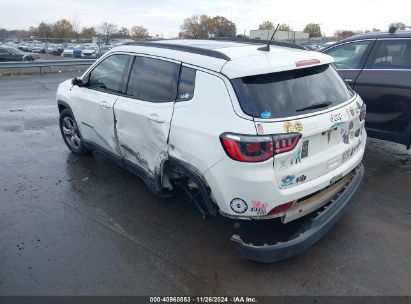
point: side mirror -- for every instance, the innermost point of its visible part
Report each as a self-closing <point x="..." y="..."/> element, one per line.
<point x="77" y="82"/>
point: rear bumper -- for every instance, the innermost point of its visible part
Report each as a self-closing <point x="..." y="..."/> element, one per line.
<point x="320" y="224"/>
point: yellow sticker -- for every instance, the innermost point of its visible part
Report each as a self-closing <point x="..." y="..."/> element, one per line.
<point x="288" y="127"/>
<point x="298" y="126"/>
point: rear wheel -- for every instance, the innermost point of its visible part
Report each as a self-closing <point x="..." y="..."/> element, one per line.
<point x="71" y="133"/>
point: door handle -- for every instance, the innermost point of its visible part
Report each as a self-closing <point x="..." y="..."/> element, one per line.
<point x="105" y="105"/>
<point x="349" y="80"/>
<point x="154" y="117"/>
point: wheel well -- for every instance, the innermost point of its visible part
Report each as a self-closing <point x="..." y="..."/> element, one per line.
<point x="187" y="178"/>
<point x="61" y="107"/>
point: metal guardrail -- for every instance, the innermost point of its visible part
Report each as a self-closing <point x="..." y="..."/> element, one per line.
<point x="45" y="63"/>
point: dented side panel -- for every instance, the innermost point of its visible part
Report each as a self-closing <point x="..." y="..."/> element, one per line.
<point x="142" y="129"/>
<point x="94" y="115"/>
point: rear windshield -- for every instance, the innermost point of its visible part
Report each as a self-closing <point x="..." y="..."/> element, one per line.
<point x="291" y="93"/>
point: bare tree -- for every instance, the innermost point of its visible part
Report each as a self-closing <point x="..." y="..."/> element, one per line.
<point x="284" y="27"/>
<point x="314" y="29"/>
<point x="76" y="26"/>
<point x="222" y="27"/>
<point x="195" y="27"/>
<point x="139" y="32"/>
<point x="396" y="25"/>
<point x="342" y="34"/>
<point x="203" y="26"/>
<point x="63" y="29"/>
<point x="88" y="32"/>
<point x="266" y="25"/>
<point x="106" y="30"/>
<point x="123" y="33"/>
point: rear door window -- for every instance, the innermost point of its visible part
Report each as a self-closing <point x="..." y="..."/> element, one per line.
<point x="186" y="84"/>
<point x="392" y="54"/>
<point x="291" y="93"/>
<point x="153" y="80"/>
<point x="349" y="55"/>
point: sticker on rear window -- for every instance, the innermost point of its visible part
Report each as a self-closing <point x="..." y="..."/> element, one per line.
<point x="266" y="115"/>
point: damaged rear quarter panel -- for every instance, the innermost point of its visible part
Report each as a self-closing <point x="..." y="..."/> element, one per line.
<point x="198" y="123"/>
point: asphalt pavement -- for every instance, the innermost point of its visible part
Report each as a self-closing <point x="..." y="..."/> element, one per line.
<point x="73" y="225"/>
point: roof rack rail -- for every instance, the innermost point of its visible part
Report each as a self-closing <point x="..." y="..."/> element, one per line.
<point x="183" y="48"/>
<point x="258" y="41"/>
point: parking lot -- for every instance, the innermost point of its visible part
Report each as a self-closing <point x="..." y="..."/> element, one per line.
<point x="74" y="225"/>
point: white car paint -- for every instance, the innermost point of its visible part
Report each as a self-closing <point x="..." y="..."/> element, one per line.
<point x="67" y="53"/>
<point x="147" y="134"/>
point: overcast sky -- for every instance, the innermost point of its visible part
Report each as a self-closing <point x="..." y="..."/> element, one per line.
<point x="165" y="16"/>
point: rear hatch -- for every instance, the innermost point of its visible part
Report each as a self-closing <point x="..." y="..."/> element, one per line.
<point x="314" y="102"/>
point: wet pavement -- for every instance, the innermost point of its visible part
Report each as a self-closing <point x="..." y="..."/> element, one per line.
<point x="74" y="225"/>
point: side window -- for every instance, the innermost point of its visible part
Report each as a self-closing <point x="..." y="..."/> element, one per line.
<point x="3" y="51"/>
<point x="349" y="55"/>
<point x="106" y="76"/>
<point x="186" y="84"/>
<point x="153" y="80"/>
<point x="392" y="54"/>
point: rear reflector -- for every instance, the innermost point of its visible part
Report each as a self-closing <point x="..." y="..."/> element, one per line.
<point x="280" y="208"/>
<point x="306" y="62"/>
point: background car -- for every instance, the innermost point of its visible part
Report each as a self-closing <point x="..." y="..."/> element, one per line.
<point x="104" y="49"/>
<point x="39" y="48"/>
<point x="90" y="52"/>
<point x="13" y="54"/>
<point x="378" y="67"/>
<point x="68" y="52"/>
<point x="77" y="51"/>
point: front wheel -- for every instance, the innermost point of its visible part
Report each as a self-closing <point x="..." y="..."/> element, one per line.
<point x="71" y="133"/>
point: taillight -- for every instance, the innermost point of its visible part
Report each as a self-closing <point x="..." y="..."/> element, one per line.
<point x="280" y="208"/>
<point x="285" y="142"/>
<point x="247" y="148"/>
<point x="255" y="148"/>
<point x="363" y="112"/>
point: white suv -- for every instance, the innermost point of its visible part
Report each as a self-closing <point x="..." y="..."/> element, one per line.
<point x="248" y="131"/>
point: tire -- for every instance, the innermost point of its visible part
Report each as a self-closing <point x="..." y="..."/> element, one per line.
<point x="71" y="133"/>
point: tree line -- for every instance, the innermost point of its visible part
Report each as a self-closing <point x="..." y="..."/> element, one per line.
<point x="194" y="27"/>
<point x="65" y="29"/>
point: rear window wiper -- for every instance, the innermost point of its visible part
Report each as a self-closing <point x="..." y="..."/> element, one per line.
<point x="317" y="105"/>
